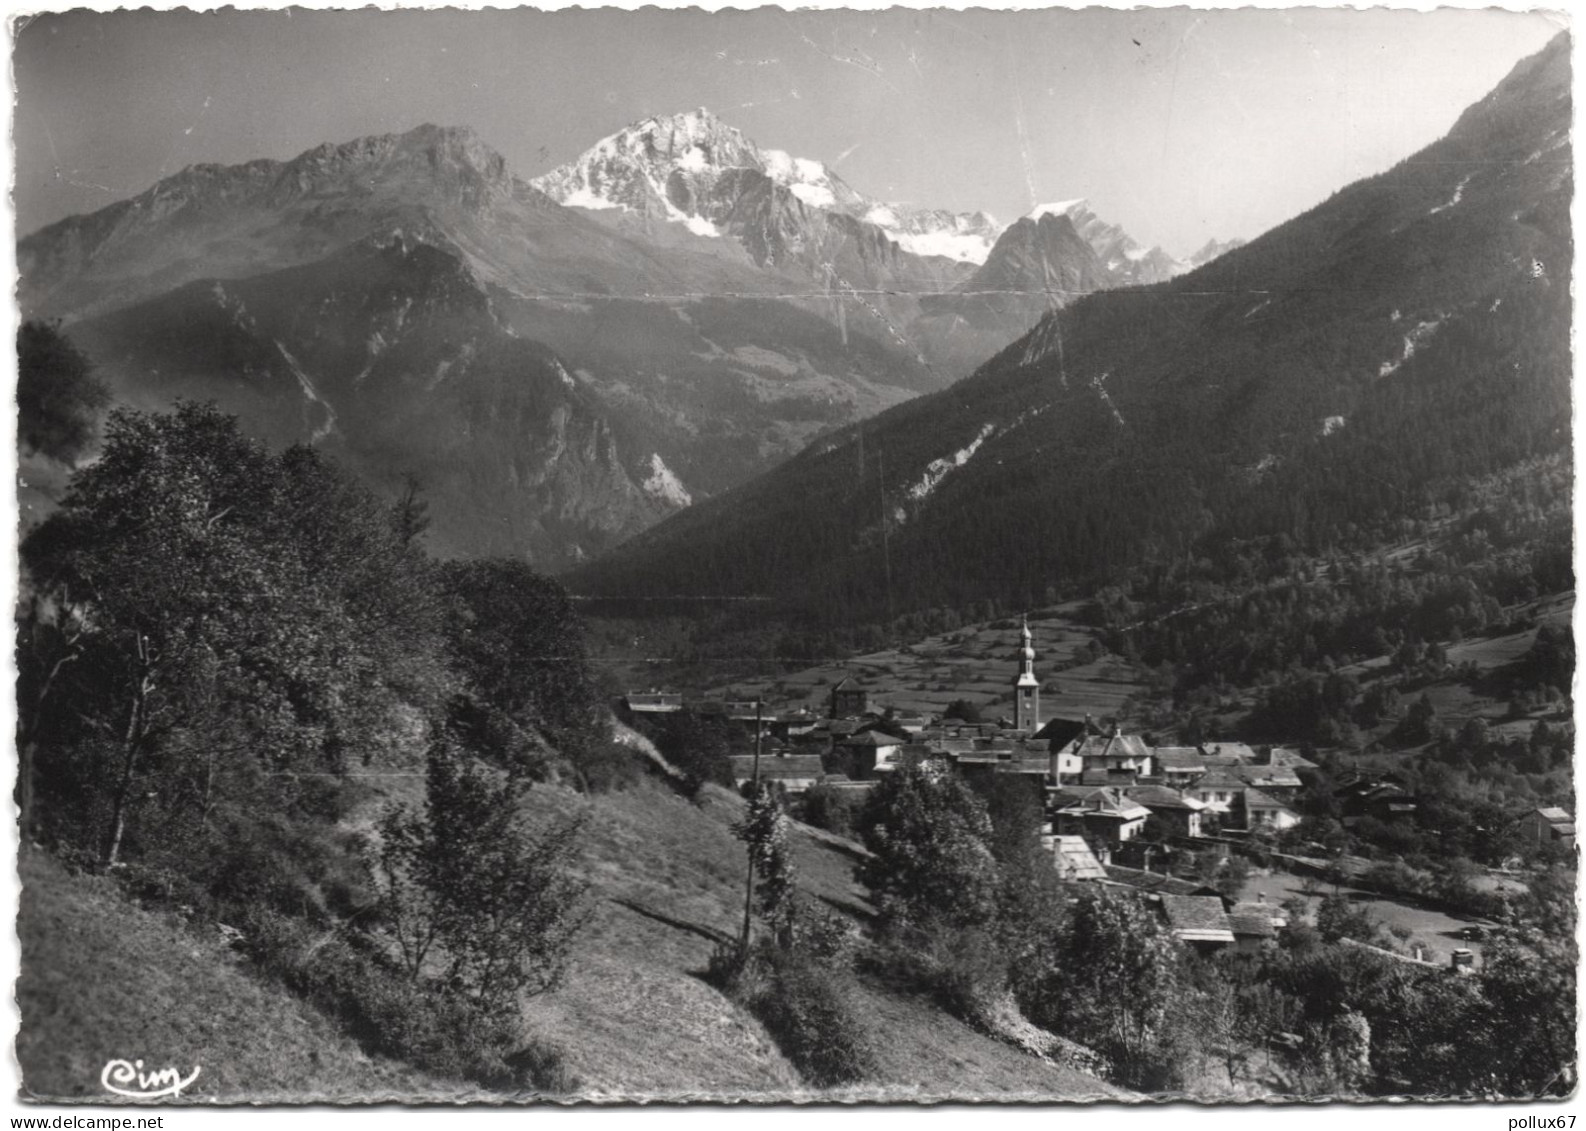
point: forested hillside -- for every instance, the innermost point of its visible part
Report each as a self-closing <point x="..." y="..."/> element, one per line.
<point x="1362" y="364"/>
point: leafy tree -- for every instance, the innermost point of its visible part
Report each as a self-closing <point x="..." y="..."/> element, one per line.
<point x="700" y="747"/>
<point x="207" y="619"/>
<point x="1338" y="918"/>
<point x="410" y="514"/>
<point x="59" y="397"/>
<point x="1029" y="904"/>
<point x="764" y="829"/>
<point x="520" y="649"/>
<point x="1528" y="979"/>
<point x="474" y="900"/>
<point x="931" y="862"/>
<point x="829" y="808"/>
<point x="963" y="710"/>
<point x="1119" y="985"/>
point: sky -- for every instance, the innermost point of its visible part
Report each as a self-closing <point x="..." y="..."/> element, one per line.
<point x="1182" y="125"/>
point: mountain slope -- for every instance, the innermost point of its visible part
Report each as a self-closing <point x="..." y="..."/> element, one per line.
<point x="1039" y="264"/>
<point x="911" y="273"/>
<point x="1407" y="333"/>
<point x="133" y="985"/>
<point x="560" y="384"/>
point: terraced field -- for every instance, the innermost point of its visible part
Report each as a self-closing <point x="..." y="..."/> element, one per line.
<point x="976" y="663"/>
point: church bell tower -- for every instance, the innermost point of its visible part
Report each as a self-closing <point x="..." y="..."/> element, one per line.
<point x="1026" y="688"/>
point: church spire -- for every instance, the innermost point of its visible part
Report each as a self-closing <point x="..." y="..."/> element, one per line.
<point x="1026" y="688"/>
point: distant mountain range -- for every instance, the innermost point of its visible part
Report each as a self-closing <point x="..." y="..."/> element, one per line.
<point x="1347" y="367"/>
<point x="696" y="170"/>
<point x="563" y="362"/>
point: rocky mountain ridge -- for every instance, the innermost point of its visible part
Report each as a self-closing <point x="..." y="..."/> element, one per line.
<point x="1406" y="335"/>
<point x="709" y="306"/>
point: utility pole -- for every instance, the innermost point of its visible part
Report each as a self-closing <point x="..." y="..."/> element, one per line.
<point x="754" y="794"/>
<point x="886" y="546"/>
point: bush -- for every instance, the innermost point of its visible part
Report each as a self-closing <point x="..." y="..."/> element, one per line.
<point x="605" y="766"/>
<point x="346" y="977"/>
<point x="831" y="809"/>
<point x="810" y="1013"/>
<point x="474" y="901"/>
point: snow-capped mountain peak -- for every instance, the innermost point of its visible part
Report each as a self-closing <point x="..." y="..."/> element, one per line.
<point x="634" y="168"/>
<point x="666" y="168"/>
<point x="690" y="168"/>
<point x="1058" y="208"/>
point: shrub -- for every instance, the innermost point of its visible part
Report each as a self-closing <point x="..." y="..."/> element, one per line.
<point x="809" y="1010"/>
<point x="605" y="766"/>
<point x="831" y="809"/>
<point x="474" y="901"/>
<point x="348" y="978"/>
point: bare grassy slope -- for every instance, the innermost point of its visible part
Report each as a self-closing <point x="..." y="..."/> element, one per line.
<point x="103" y="979"/>
<point x="635" y="1018"/>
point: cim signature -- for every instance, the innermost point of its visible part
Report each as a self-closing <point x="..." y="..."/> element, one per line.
<point x="165" y="1082"/>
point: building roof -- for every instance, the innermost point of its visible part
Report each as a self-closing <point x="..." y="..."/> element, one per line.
<point x="1141" y="880"/>
<point x="1229" y="750"/>
<point x="1255" y="799"/>
<point x="1074" y="860"/>
<point x="1179" y="759"/>
<point x="1288" y="756"/>
<point x="654" y="701"/>
<point x="1060" y="732"/>
<point x="1271" y="912"/>
<point x="777" y="767"/>
<point x="1216" y="779"/>
<point x="1269" y="777"/>
<point x="870" y="738"/>
<point x="1248" y="924"/>
<point x="1554" y="815"/>
<point x="1106" y="803"/>
<point x="1114" y="746"/>
<point x="1161" y="797"/>
<point x="1197" y="918"/>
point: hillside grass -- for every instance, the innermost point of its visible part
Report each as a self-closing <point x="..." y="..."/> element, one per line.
<point x="636" y="1019"/>
<point x="103" y="979"/>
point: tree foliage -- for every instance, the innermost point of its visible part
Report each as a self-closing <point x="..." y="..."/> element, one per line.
<point x="59" y="397"/>
<point x="478" y="903"/>
<point x="931" y="863"/>
<point x="205" y="616"/>
<point x="518" y="644"/>
<point x="1117" y="983"/>
<point x="764" y="830"/>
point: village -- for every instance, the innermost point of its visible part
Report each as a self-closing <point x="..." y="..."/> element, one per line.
<point x="1166" y="822"/>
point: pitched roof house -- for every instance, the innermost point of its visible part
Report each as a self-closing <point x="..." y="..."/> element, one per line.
<point x="1181" y="814"/>
<point x="1198" y="919"/>
<point x="1548" y="826"/>
<point x="1217" y="790"/>
<point x="1074" y="860"/>
<point x="796" y="772"/>
<point x="1262" y="810"/>
<point x="1104" y="817"/>
<point x="1179" y="765"/>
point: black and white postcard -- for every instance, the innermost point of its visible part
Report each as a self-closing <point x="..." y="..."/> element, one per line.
<point x="789" y="556"/>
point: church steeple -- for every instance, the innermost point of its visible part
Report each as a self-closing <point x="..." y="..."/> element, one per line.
<point x="1026" y="688"/>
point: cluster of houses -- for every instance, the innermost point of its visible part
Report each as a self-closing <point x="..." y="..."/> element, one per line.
<point x="1115" y="803"/>
<point x="1099" y="784"/>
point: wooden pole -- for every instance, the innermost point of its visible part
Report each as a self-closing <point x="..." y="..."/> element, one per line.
<point x="754" y="794"/>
